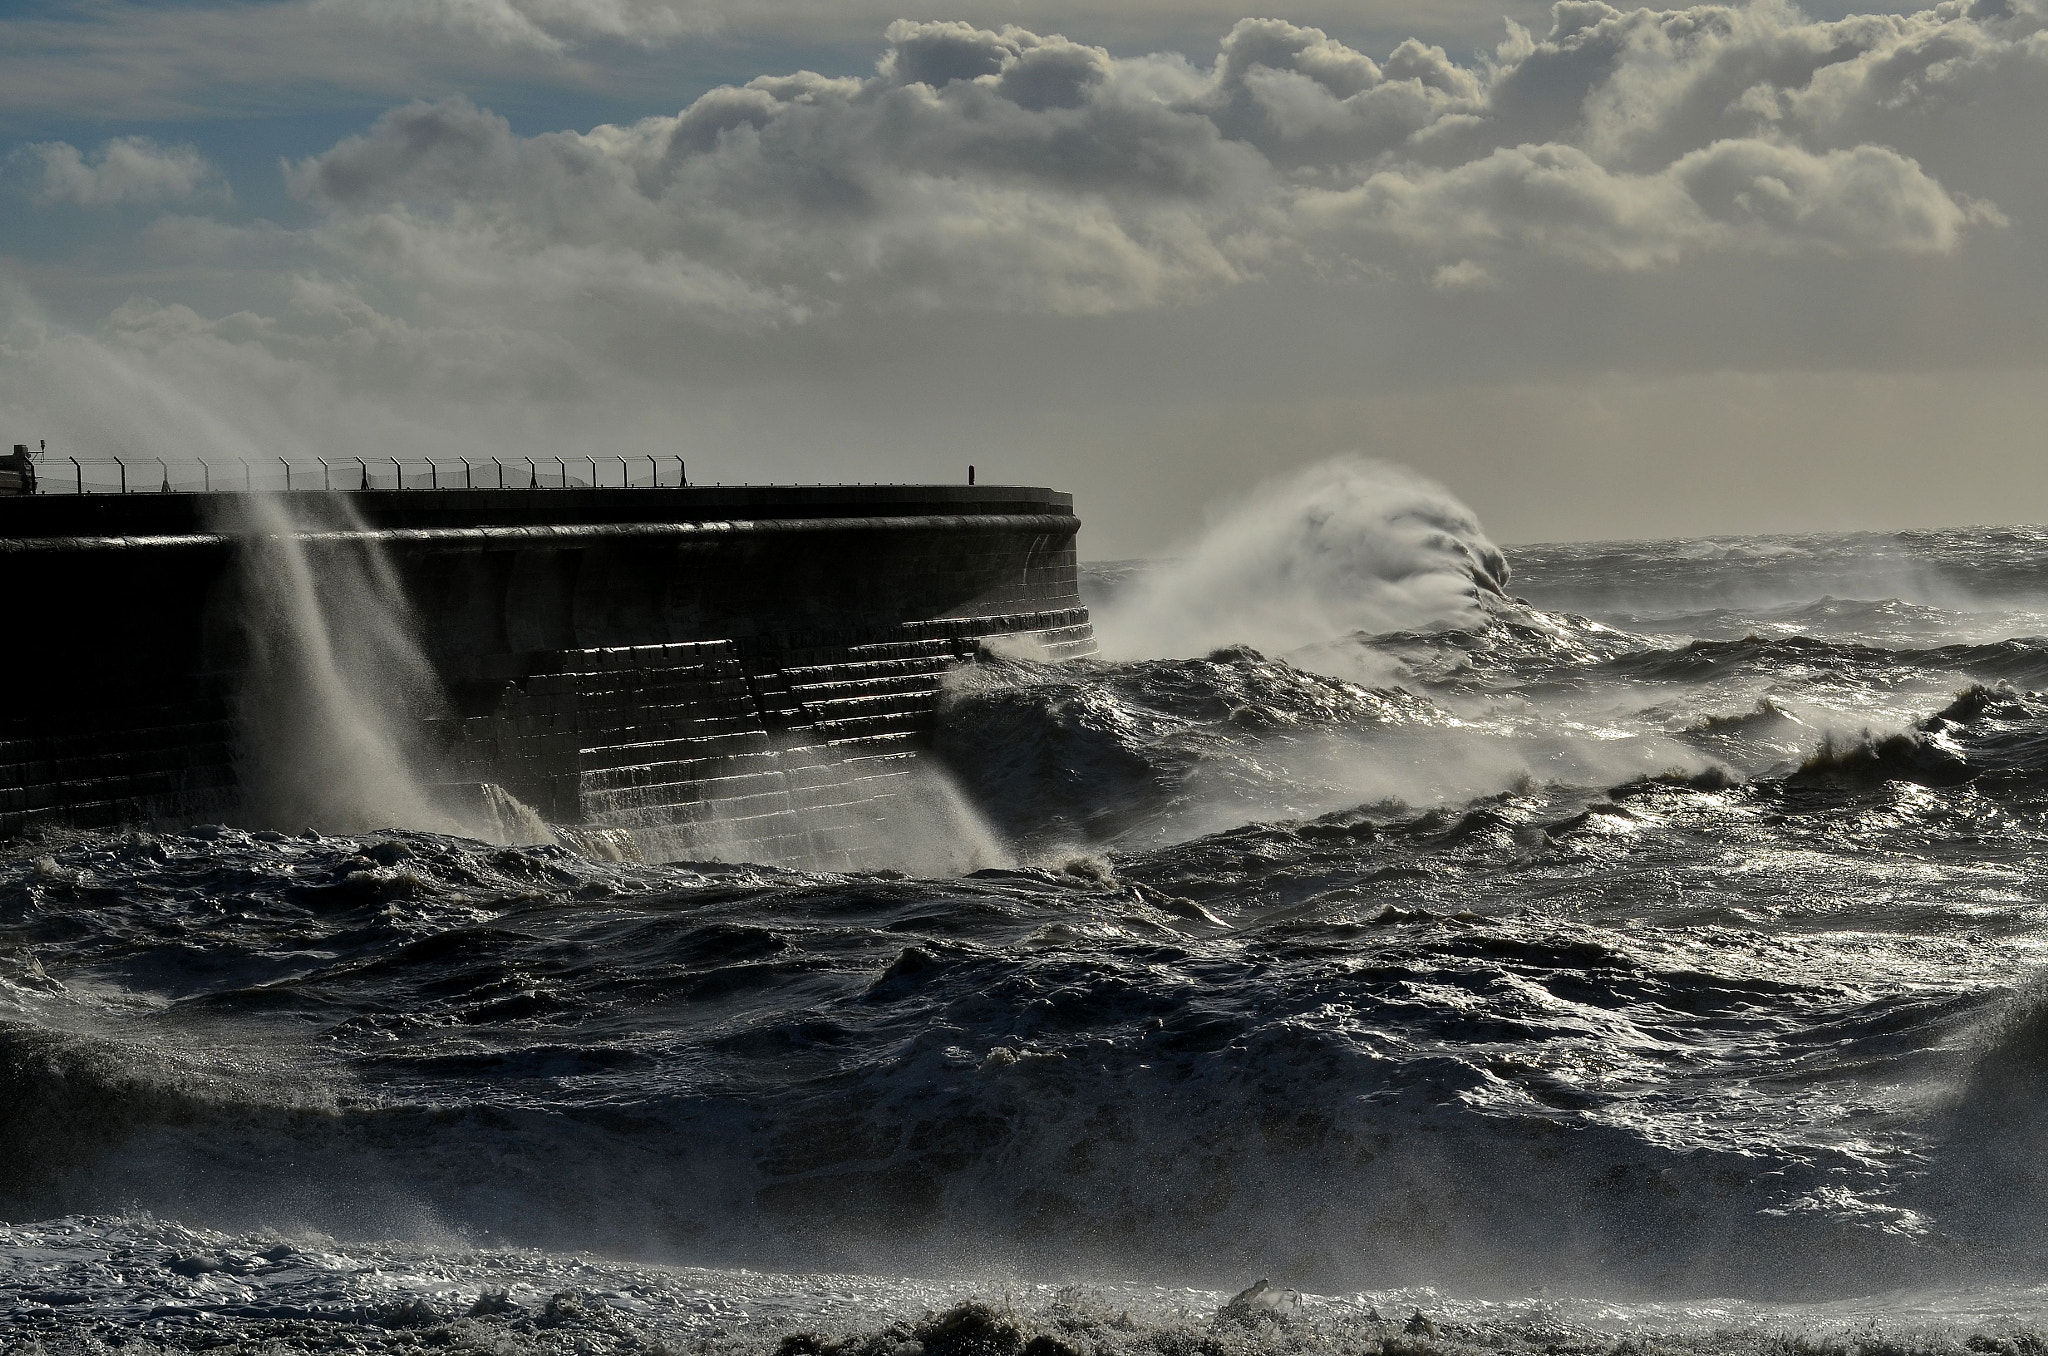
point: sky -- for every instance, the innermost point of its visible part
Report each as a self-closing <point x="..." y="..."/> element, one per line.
<point x="1602" y="273"/>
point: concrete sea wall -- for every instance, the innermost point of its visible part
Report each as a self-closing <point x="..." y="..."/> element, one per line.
<point x="654" y="660"/>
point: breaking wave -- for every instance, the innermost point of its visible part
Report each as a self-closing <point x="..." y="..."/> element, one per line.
<point x="1346" y="545"/>
<point x="1426" y="950"/>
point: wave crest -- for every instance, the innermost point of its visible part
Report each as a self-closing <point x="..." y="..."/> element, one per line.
<point x="1348" y="545"/>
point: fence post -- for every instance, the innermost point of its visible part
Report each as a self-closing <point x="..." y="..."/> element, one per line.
<point x="533" y="475"/>
<point x="248" y="476"/>
<point x="682" y="472"/>
<point x="564" y="468"/>
<point x="501" y="471"/>
<point x="78" y="472"/>
<point x="326" y="480"/>
<point x="124" y="474"/>
<point x="653" y="472"/>
<point x="165" y="467"/>
<point x="205" y="475"/>
<point x="467" y="483"/>
<point x="366" y="472"/>
<point x="433" y="473"/>
<point x="398" y="471"/>
<point x="287" y="474"/>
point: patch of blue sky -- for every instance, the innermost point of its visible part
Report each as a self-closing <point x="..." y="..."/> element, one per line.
<point x="250" y="147"/>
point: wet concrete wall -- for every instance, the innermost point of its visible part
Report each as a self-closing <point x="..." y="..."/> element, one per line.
<point x="690" y="627"/>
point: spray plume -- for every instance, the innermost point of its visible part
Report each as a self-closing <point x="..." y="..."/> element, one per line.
<point x="1344" y="546"/>
<point x="336" y="676"/>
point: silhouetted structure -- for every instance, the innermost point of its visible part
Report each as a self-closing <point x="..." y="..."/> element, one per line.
<point x="637" y="658"/>
<point x="17" y="471"/>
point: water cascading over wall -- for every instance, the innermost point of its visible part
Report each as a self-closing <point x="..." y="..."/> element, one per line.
<point x="748" y="666"/>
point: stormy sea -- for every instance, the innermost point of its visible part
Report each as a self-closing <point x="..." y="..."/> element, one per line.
<point x="1391" y="943"/>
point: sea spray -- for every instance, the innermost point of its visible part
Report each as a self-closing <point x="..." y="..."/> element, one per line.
<point x="1347" y="545"/>
<point x="507" y="819"/>
<point x="1669" y="1038"/>
<point x="896" y="812"/>
<point x="1139" y="755"/>
<point x="1321" y="608"/>
<point x="336" y="680"/>
<point x="338" y="687"/>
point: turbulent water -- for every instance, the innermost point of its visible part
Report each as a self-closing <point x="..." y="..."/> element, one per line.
<point x="1645" y="953"/>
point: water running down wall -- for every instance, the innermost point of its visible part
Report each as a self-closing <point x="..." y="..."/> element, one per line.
<point x="740" y="669"/>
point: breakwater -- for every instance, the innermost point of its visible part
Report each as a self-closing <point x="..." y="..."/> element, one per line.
<point x="660" y="661"/>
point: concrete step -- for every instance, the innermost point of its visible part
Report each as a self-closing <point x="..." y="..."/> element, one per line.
<point x="914" y="704"/>
<point x="917" y="666"/>
<point x="689" y="748"/>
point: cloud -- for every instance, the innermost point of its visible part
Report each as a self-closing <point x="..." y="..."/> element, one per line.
<point x="1747" y="196"/>
<point x="1001" y="170"/>
<point x="132" y="58"/>
<point x="1000" y="237"/>
<point x="124" y="170"/>
<point x="891" y="191"/>
<point x="1465" y="275"/>
<point x="550" y="27"/>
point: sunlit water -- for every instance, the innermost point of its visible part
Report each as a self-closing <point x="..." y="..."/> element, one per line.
<point x="1647" y="955"/>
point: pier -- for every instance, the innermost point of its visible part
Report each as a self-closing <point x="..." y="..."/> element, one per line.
<point x="641" y="657"/>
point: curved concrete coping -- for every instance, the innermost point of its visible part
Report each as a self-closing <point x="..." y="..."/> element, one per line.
<point x="557" y="533"/>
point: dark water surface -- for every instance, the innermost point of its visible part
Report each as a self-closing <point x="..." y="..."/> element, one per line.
<point x="1656" y="955"/>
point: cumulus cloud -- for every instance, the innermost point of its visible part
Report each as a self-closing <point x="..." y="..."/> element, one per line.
<point x="1738" y="195"/>
<point x="991" y="213"/>
<point x="1000" y="169"/>
<point x="130" y="58"/>
<point x="1093" y="194"/>
<point x="124" y="170"/>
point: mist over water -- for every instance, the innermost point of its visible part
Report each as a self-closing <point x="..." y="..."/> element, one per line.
<point x="336" y="675"/>
<point x="925" y="827"/>
<point x="1343" y="546"/>
<point x="1655" y="956"/>
<point x="336" y="686"/>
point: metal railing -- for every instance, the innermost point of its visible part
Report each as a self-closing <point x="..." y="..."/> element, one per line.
<point x="225" y="475"/>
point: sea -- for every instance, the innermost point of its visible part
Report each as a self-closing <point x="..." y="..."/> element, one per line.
<point x="1393" y="944"/>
